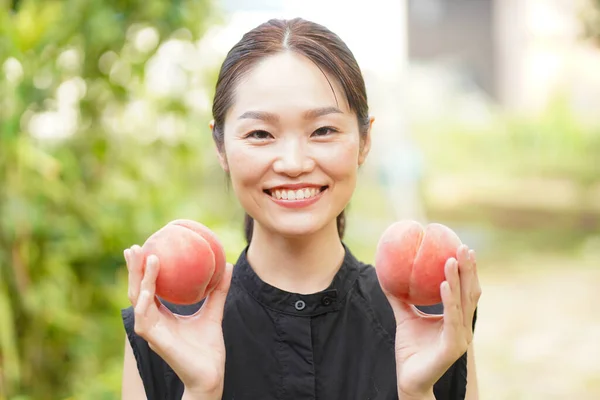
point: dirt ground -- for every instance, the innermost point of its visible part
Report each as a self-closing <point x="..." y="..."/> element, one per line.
<point x="538" y="332"/>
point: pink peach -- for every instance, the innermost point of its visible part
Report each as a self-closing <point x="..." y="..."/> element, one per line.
<point x="191" y="258"/>
<point x="410" y="260"/>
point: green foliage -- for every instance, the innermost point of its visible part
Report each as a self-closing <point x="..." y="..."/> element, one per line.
<point x="88" y="161"/>
<point x="554" y="144"/>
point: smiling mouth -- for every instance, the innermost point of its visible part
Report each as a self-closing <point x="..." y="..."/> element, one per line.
<point x="298" y="194"/>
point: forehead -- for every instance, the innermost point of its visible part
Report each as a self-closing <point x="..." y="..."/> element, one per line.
<point x="287" y="81"/>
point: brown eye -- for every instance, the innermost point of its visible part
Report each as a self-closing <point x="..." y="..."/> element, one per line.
<point x="324" y="131"/>
<point x="260" y="135"/>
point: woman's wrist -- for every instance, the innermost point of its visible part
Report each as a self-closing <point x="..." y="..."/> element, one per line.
<point x="192" y="395"/>
<point x="428" y="395"/>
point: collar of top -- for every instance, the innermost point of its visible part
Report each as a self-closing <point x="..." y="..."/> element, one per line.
<point x="276" y="299"/>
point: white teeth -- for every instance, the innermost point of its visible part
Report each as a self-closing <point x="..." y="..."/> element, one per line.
<point x="300" y="194"/>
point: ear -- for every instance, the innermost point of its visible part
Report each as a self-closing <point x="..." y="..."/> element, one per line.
<point x="366" y="145"/>
<point x="220" y="151"/>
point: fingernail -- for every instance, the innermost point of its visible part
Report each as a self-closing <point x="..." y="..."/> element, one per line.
<point x="126" y="255"/>
<point x="472" y="255"/>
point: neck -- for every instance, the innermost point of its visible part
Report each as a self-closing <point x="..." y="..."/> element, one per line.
<point x="302" y="265"/>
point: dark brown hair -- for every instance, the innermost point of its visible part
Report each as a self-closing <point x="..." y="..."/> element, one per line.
<point x="314" y="41"/>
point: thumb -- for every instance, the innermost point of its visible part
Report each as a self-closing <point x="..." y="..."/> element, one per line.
<point x="215" y="302"/>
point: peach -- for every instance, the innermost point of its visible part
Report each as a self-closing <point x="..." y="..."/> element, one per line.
<point x="215" y="245"/>
<point x="191" y="258"/>
<point x="410" y="260"/>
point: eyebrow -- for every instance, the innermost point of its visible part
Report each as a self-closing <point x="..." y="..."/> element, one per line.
<point x="261" y="115"/>
<point x="310" y="114"/>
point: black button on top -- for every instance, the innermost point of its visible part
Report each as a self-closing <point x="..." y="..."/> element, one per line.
<point x="300" y="305"/>
<point x="326" y="300"/>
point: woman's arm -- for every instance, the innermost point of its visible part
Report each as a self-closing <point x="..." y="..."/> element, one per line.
<point x="132" y="387"/>
<point x="472" y="386"/>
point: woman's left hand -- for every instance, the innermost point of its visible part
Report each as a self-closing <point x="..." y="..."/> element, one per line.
<point x="427" y="345"/>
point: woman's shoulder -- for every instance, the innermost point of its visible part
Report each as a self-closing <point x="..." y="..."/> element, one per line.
<point x="368" y="283"/>
<point x="368" y="297"/>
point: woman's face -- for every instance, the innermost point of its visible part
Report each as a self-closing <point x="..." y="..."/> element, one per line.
<point x="292" y="150"/>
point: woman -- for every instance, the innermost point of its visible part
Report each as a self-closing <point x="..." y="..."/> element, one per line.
<point x="301" y="318"/>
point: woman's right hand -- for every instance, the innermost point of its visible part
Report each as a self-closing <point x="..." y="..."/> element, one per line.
<point x="193" y="346"/>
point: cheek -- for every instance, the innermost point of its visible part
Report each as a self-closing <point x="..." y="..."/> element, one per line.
<point x="238" y="166"/>
<point x="245" y="167"/>
<point x="340" y="161"/>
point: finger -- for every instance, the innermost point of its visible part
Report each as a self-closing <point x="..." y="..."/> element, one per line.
<point x="150" y="274"/>
<point x="141" y="311"/>
<point x="145" y="315"/>
<point x="452" y="314"/>
<point x="452" y="322"/>
<point x="215" y="302"/>
<point x="465" y="272"/>
<point x="453" y="279"/>
<point x="462" y="256"/>
<point x="476" y="292"/>
<point x="451" y="297"/>
<point x="473" y="258"/>
<point x="134" y="266"/>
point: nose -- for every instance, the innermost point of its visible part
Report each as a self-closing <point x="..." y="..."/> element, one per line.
<point x="293" y="158"/>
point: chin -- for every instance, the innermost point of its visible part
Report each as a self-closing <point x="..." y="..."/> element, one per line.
<point x="295" y="232"/>
<point x="297" y="227"/>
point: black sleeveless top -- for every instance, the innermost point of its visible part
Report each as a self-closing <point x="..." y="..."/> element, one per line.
<point x="335" y="344"/>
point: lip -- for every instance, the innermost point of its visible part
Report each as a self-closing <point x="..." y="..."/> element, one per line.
<point x="297" y="203"/>
<point x="294" y="186"/>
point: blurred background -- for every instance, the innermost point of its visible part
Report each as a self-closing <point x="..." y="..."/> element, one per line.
<point x="487" y="120"/>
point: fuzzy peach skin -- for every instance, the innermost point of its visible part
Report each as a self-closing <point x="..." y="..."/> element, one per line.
<point x="188" y="261"/>
<point x="410" y="260"/>
<point x="215" y="245"/>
